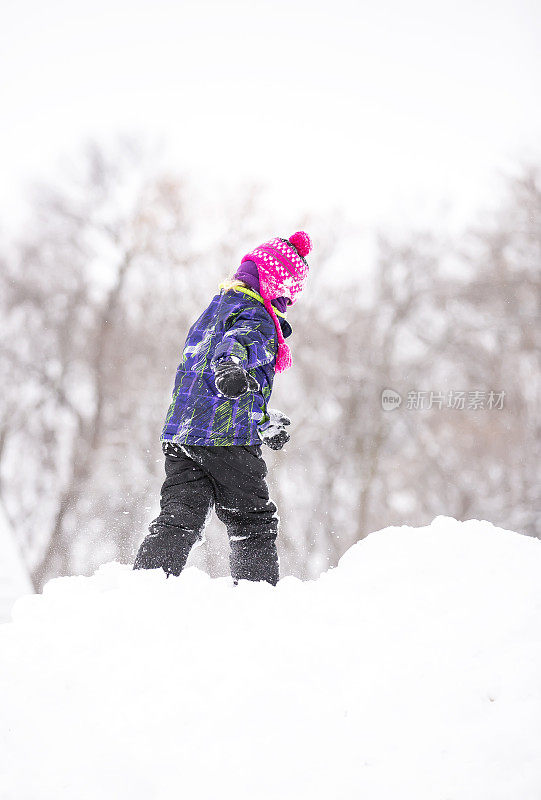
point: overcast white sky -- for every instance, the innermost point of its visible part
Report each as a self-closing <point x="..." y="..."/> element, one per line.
<point x="387" y="109"/>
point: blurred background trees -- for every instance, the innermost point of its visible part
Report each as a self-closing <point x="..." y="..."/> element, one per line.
<point x="96" y="297"/>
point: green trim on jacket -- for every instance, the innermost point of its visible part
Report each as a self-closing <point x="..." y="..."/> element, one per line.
<point x="257" y="296"/>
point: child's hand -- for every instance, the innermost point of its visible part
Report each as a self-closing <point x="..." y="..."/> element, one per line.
<point x="274" y="435"/>
<point x="232" y="381"/>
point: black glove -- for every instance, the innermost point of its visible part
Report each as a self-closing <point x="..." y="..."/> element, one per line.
<point x="232" y="381"/>
<point x="274" y="435"/>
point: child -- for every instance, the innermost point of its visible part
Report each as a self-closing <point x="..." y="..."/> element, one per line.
<point x="218" y="417"/>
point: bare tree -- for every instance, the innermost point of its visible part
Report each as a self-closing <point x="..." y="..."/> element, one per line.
<point x="74" y="300"/>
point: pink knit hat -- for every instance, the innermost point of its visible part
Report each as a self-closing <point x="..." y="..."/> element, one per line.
<point x="282" y="273"/>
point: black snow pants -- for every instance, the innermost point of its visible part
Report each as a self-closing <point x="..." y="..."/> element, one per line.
<point x="233" y="480"/>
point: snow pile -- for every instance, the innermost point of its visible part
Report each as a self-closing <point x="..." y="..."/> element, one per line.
<point x="413" y="670"/>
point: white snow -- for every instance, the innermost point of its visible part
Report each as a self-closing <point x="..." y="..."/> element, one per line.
<point x="412" y="671"/>
<point x="14" y="579"/>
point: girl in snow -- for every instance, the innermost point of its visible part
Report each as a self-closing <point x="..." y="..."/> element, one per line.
<point x="219" y="416"/>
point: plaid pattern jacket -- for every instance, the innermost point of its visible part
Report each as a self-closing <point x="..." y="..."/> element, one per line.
<point x="237" y="324"/>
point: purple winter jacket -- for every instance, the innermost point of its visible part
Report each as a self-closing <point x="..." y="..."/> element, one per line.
<point x="236" y="323"/>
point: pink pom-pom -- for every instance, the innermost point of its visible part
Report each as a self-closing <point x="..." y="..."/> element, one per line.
<point x="283" y="359"/>
<point x="301" y="242"/>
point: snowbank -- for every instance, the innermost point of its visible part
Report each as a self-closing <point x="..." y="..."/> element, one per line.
<point x="410" y="671"/>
